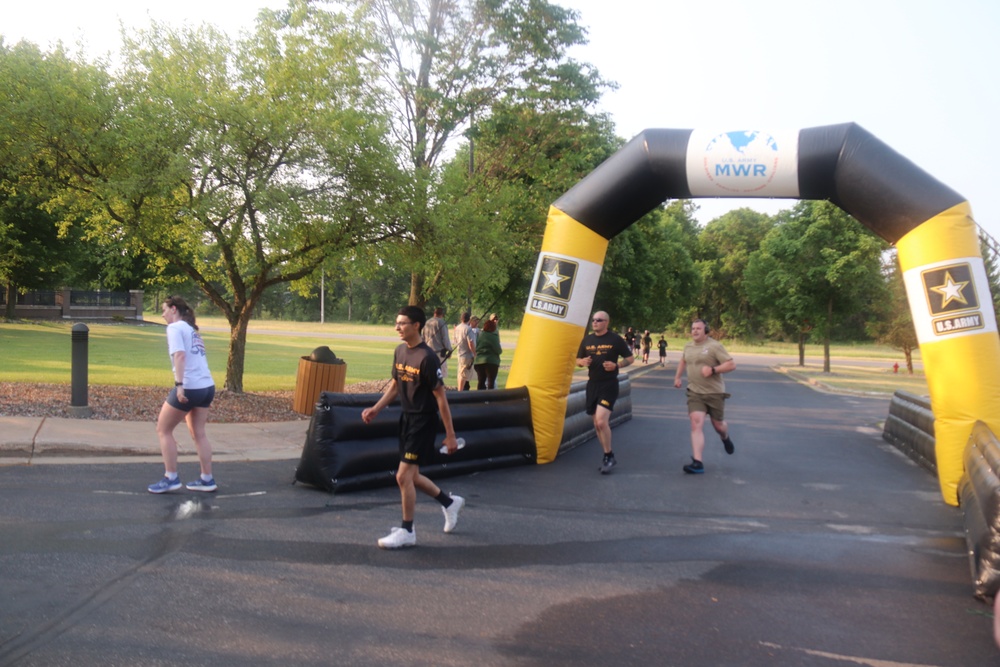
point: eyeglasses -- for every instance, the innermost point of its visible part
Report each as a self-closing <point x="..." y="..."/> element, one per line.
<point x="598" y="319"/>
<point x="402" y="324"/>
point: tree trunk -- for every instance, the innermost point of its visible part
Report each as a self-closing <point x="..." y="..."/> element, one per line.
<point x="11" y="309"/>
<point x="826" y="336"/>
<point x="237" y="351"/>
<point x="802" y="349"/>
<point x="417" y="290"/>
<point x="908" y="353"/>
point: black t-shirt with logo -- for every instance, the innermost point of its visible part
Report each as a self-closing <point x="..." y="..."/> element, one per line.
<point x="609" y="347"/>
<point x="417" y="373"/>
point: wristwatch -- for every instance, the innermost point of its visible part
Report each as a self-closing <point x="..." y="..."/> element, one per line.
<point x="181" y="384"/>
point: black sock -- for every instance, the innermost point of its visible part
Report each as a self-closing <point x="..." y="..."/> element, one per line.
<point x="408" y="526"/>
<point x="444" y="499"/>
<point x="609" y="455"/>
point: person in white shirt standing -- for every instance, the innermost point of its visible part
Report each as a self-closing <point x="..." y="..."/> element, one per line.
<point x="190" y="400"/>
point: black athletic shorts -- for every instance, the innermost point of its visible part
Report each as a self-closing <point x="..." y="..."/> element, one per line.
<point x="601" y="393"/>
<point x="417" y="433"/>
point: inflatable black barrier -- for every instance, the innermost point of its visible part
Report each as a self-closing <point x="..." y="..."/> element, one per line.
<point x="910" y="427"/>
<point x="342" y="453"/>
<point x="979" y="493"/>
<point x="579" y="427"/>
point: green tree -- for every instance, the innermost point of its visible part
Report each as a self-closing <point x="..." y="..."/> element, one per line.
<point x="237" y="164"/>
<point x="446" y="62"/>
<point x="816" y="267"/>
<point x="649" y="275"/>
<point x="894" y="326"/>
<point x="495" y="196"/>
<point x="990" y="250"/>
<point x="724" y="249"/>
<point x="41" y="246"/>
<point x="32" y="256"/>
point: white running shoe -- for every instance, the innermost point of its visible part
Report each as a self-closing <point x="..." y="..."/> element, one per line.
<point x="398" y="538"/>
<point x="451" y="512"/>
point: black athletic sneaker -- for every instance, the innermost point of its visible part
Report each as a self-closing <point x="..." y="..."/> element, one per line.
<point x="608" y="463"/>
<point x="694" y="468"/>
<point x="728" y="444"/>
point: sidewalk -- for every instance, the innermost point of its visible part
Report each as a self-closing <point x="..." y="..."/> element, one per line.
<point x="34" y="440"/>
<point x="37" y="440"/>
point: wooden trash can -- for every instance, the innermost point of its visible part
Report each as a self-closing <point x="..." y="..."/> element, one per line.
<point x="314" y="378"/>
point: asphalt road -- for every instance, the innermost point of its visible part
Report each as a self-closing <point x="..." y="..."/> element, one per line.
<point x="814" y="544"/>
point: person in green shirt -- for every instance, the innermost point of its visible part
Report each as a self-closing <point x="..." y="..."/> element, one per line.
<point x="488" y="352"/>
<point x="705" y="360"/>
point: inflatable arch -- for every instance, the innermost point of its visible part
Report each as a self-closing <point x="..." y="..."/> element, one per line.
<point x="930" y="224"/>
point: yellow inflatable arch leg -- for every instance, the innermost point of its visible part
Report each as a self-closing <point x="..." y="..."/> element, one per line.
<point x="949" y="295"/>
<point x="555" y="319"/>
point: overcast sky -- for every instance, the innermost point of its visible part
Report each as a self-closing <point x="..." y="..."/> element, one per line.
<point x="918" y="74"/>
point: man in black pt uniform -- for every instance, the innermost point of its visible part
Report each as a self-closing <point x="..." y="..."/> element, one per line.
<point x="419" y="383"/>
<point x="600" y="352"/>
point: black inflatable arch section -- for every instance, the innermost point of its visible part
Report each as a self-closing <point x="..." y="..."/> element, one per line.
<point x="844" y="164"/>
<point x="930" y="223"/>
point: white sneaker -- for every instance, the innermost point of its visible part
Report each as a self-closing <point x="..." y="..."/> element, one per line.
<point x="398" y="538"/>
<point x="451" y="512"/>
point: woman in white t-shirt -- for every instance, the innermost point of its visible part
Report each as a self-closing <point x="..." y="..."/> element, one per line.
<point x="189" y="400"/>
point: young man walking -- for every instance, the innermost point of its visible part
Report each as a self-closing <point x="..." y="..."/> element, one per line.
<point x="600" y="352"/>
<point x="417" y="380"/>
<point x="705" y="360"/>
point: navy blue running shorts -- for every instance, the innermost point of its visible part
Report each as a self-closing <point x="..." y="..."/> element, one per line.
<point x="196" y="398"/>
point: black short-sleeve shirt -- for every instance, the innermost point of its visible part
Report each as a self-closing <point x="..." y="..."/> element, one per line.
<point x="417" y="372"/>
<point x="609" y="347"/>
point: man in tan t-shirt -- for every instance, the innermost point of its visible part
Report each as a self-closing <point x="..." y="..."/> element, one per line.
<point x="705" y="360"/>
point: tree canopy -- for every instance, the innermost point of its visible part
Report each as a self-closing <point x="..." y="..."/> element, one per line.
<point x="816" y="267"/>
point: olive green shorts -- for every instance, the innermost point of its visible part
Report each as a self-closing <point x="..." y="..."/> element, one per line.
<point x="714" y="405"/>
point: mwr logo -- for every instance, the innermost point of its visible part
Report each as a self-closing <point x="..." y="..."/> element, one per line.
<point x="950" y="289"/>
<point x="744" y="161"/>
<point x="554" y="286"/>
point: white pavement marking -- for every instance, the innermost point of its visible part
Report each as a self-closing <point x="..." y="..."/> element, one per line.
<point x="868" y="662"/>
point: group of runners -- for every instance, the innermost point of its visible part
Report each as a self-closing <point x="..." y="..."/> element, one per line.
<point x="643" y="343"/>
<point x="418" y="383"/>
<point x="704" y="359"/>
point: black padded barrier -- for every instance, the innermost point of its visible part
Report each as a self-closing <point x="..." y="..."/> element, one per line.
<point x="979" y="494"/>
<point x="342" y="453"/>
<point x="910" y="427"/>
<point x="579" y="426"/>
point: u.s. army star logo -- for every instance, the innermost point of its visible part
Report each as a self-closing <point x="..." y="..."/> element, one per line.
<point x="556" y="278"/>
<point x="950" y="288"/>
<point x="553" y="286"/>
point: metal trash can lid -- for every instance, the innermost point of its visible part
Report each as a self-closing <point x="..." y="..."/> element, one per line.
<point x="324" y="355"/>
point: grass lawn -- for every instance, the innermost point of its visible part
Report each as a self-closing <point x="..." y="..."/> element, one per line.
<point x="132" y="355"/>
<point x="847" y="377"/>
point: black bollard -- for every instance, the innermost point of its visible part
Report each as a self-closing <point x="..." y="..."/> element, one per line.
<point x="78" y="402"/>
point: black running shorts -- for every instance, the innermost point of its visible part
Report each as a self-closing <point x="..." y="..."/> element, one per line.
<point x="601" y="393"/>
<point x="417" y="432"/>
